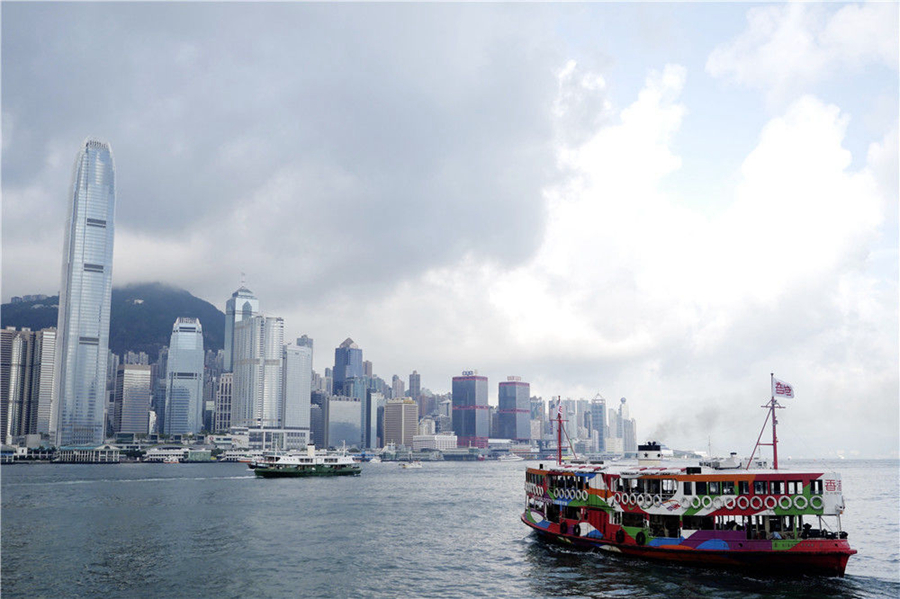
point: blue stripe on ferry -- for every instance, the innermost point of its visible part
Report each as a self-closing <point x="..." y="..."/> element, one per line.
<point x="713" y="544"/>
<point x="661" y="542"/>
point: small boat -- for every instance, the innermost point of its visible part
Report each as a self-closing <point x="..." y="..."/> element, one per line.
<point x="375" y="460"/>
<point x="510" y="457"/>
<point x="171" y="460"/>
<point x="409" y="465"/>
<point x="311" y="463"/>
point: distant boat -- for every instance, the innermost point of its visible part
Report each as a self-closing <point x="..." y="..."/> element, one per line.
<point x="171" y="460"/>
<point x="375" y="460"/>
<point x="408" y="465"/>
<point x="510" y="457"/>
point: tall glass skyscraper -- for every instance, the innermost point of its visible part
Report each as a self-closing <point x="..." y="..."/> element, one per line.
<point x="241" y="306"/>
<point x="184" y="378"/>
<point x="84" y="298"/>
<point x="348" y="363"/>
<point x="515" y="410"/>
<point x="471" y="420"/>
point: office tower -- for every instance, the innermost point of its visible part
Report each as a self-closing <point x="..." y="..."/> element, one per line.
<point x="222" y="418"/>
<point x="538" y="417"/>
<point x="514" y="416"/>
<point x="317" y="425"/>
<point x="342" y="421"/>
<point x="42" y="378"/>
<point x="415" y="385"/>
<point x="6" y="343"/>
<point x="305" y="341"/>
<point x="210" y="389"/>
<point x="371" y="434"/>
<point x="242" y="306"/>
<point x="397" y="387"/>
<point x="598" y="423"/>
<point x="629" y="437"/>
<point x="131" y="357"/>
<point x="297" y="386"/>
<point x="184" y="379"/>
<point x="258" y="356"/>
<point x="133" y="386"/>
<point x="83" y="324"/>
<point x="401" y="421"/>
<point x="367" y="368"/>
<point x="471" y="419"/>
<point x="348" y="363"/>
<point x="16" y="380"/>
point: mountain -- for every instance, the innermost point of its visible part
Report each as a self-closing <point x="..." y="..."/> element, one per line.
<point x="141" y="317"/>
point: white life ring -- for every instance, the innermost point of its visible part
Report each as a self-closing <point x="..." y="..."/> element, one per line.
<point x="696" y="502"/>
<point x="756" y="502"/>
<point x="785" y="503"/>
<point x="816" y="502"/>
<point x="657" y="501"/>
<point x="717" y="503"/>
<point x="644" y="501"/>
<point x="584" y="495"/>
<point x="569" y="494"/>
<point x="730" y="502"/>
<point x="801" y="502"/>
<point x="742" y="502"/>
<point x="685" y="502"/>
<point x="634" y="499"/>
<point x="770" y="505"/>
<point x="618" y="497"/>
<point x="706" y="501"/>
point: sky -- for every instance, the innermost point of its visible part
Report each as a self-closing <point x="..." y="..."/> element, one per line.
<point x="663" y="202"/>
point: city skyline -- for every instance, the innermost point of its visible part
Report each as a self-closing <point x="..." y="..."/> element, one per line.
<point x="640" y="213"/>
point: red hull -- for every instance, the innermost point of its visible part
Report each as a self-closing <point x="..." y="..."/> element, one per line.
<point x="831" y="562"/>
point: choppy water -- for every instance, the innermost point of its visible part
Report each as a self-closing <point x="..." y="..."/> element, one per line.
<point x="447" y="530"/>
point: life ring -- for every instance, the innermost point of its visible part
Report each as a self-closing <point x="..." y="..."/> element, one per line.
<point x="730" y="502"/>
<point x="706" y="501"/>
<point x="785" y="503"/>
<point x="620" y="536"/>
<point x="756" y="502"/>
<point x="717" y="503"/>
<point x="685" y="502"/>
<point x="770" y="505"/>
<point x="657" y="501"/>
<point x="742" y="502"/>
<point x="618" y="497"/>
<point x="800" y="499"/>
<point x="816" y="502"/>
<point x="646" y="501"/>
<point x="585" y="495"/>
<point x="641" y="538"/>
<point x="696" y="502"/>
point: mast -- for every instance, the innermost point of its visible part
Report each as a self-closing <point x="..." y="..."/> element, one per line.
<point x="559" y="432"/>
<point x="770" y="405"/>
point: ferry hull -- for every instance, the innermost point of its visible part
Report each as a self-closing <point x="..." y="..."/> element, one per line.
<point x="291" y="472"/>
<point x="831" y="562"/>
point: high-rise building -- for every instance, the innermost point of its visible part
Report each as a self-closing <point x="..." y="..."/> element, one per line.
<point x="297" y="386"/>
<point x="598" y="424"/>
<point x="84" y="299"/>
<point x="131" y="357"/>
<point x="241" y="306"/>
<point x="471" y="418"/>
<point x="367" y="368"/>
<point x="222" y="419"/>
<point x="514" y="416"/>
<point x="348" y="363"/>
<point x="258" y="359"/>
<point x="317" y="425"/>
<point x="42" y="378"/>
<point x="397" y="387"/>
<point x="132" y="399"/>
<point x="370" y="432"/>
<point x="401" y="421"/>
<point x="16" y="380"/>
<point x="342" y="421"/>
<point x="184" y="379"/>
<point x="415" y="385"/>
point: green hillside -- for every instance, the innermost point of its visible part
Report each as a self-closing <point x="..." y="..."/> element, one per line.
<point x="141" y="317"/>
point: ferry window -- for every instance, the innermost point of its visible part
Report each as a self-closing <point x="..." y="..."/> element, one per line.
<point x="701" y="488"/>
<point x="815" y="487"/>
<point x="687" y="488"/>
<point x="714" y="487"/>
<point x="654" y="486"/>
<point x="728" y="487"/>
<point x="759" y="487"/>
<point x="798" y="487"/>
<point x="776" y="487"/>
<point x="743" y="487"/>
<point x="791" y="488"/>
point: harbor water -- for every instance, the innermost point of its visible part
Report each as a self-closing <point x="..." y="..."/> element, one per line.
<point x="445" y="530"/>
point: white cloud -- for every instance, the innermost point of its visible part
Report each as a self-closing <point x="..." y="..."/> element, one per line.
<point x="787" y="48"/>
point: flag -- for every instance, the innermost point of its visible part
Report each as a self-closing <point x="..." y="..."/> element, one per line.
<point x="782" y="389"/>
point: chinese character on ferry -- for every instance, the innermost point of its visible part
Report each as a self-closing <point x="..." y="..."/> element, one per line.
<point x="831" y="485"/>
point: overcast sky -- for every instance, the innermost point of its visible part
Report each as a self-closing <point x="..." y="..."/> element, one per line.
<point x="664" y="202"/>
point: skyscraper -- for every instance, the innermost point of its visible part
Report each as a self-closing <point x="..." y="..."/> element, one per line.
<point x="84" y="299"/>
<point x="471" y="418"/>
<point x="258" y="359"/>
<point x="415" y="385"/>
<point x="222" y="418"/>
<point x="397" y="387"/>
<point x="241" y="306"/>
<point x="348" y="363"/>
<point x="598" y="423"/>
<point x="297" y="386"/>
<point x="184" y="379"/>
<point x="133" y="399"/>
<point x="401" y="421"/>
<point x="515" y="410"/>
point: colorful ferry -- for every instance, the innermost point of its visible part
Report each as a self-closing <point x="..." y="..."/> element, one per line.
<point x="731" y="512"/>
